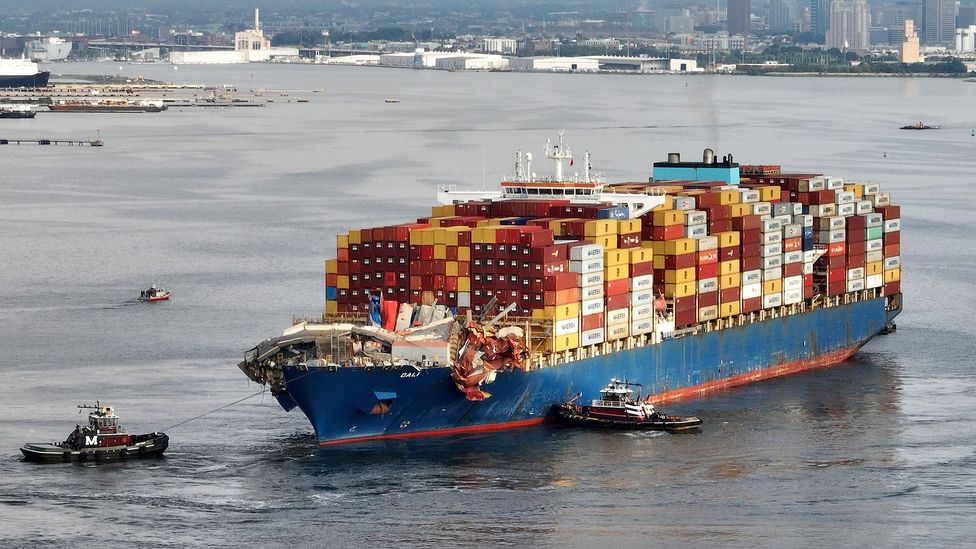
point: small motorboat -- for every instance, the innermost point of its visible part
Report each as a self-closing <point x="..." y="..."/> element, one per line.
<point x="919" y="126"/>
<point x="391" y="100"/>
<point x="154" y="294"/>
<point x="103" y="439"/>
<point x="618" y="409"/>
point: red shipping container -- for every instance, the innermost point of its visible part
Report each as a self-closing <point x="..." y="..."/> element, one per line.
<point x="889" y="251"/>
<point x="730" y="295"/>
<point x="855" y="248"/>
<point x="751" y="305"/>
<point x="707" y="199"/>
<point x="627" y="241"/>
<point x="719" y="225"/>
<point x="837" y="275"/>
<point x="751" y="249"/>
<point x="378" y="234"/>
<point x="807" y="292"/>
<point x="855" y="222"/>
<point x="707" y="256"/>
<point x="837" y="248"/>
<point x="808" y="280"/>
<point x="836" y="288"/>
<point x="616" y="287"/>
<point x="681" y="261"/>
<point x="750" y="236"/>
<point x="536" y="238"/>
<point x="707" y="271"/>
<point x="719" y="212"/>
<point x="856" y="261"/>
<point x="792" y="269"/>
<point x="671" y="232"/>
<point x="560" y="281"/>
<point x="889" y="212"/>
<point x="562" y="297"/>
<point x="689" y="303"/>
<point x="747" y="222"/>
<point x="619" y="301"/>
<point x="685" y="318"/>
<point x="451" y="284"/>
<point x="832" y="262"/>
<point x="792" y="244"/>
<point x="592" y="322"/>
<point x="750" y="263"/>
<point x="892" y="288"/>
<point x="707" y="299"/>
<point x="641" y="269"/>
<point x="732" y="252"/>
<point x="547" y="254"/>
<point x="892" y="238"/>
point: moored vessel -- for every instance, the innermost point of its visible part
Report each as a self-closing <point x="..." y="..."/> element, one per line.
<point x="617" y="408"/>
<point x="103" y="439"/>
<point x="502" y="304"/>
<point x="17" y="110"/>
<point x="106" y="105"/>
<point x="22" y="73"/>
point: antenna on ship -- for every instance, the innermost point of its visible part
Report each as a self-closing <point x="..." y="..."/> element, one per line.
<point x="558" y="152"/>
<point x="586" y="167"/>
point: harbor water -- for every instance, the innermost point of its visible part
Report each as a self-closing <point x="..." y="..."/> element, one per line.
<point x="235" y="211"/>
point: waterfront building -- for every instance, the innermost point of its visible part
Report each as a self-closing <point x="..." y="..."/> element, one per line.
<point x="966" y="39"/>
<point x="848" y="25"/>
<point x="908" y="49"/>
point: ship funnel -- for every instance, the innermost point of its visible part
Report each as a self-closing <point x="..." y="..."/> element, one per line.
<point x="674" y="157"/>
<point x="708" y="156"/>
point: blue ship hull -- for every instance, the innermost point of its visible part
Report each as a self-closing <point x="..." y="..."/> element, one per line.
<point x="358" y="404"/>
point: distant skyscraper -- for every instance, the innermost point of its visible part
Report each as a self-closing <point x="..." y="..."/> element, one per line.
<point x="819" y="16"/>
<point x="966" y="17"/>
<point x="939" y="22"/>
<point x="908" y="48"/>
<point x="848" y="25"/>
<point x="779" y="16"/>
<point x="739" y="17"/>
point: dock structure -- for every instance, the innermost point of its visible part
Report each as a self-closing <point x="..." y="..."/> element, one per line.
<point x="69" y="142"/>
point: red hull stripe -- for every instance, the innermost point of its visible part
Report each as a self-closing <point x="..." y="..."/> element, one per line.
<point x="821" y="361"/>
<point x="786" y="369"/>
<point x="440" y="432"/>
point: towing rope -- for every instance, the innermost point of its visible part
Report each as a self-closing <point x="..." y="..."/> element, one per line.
<point x="261" y="392"/>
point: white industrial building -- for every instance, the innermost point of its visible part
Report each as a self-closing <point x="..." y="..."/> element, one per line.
<point x="250" y="45"/>
<point x="559" y="64"/>
<point x="645" y="64"/>
<point x="507" y="46"/>
<point x="447" y="60"/>
<point x="471" y="61"/>
<point x="966" y="39"/>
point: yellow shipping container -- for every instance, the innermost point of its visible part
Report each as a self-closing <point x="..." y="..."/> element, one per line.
<point x="894" y="275"/>
<point x="562" y="343"/>
<point x="600" y="227"/>
<point x="727" y="239"/>
<point x="629" y="226"/>
<point x="331" y="307"/>
<point x="451" y="235"/>
<point x="769" y="193"/>
<point x="680" y="246"/>
<point x="484" y="223"/>
<point x="612" y="258"/>
<point x="464" y="253"/>
<point x="331" y="266"/>
<point x="726" y="310"/>
<point x="440" y="236"/>
<point x="355" y="237"/>
<point x="617" y="272"/>
<point x="873" y="268"/>
<point x="483" y="235"/>
<point x="451" y="269"/>
<point x="774" y="286"/>
<point x="729" y="267"/>
<point x="464" y="284"/>
<point x="562" y="312"/>
<point x="680" y="290"/>
<point x="440" y="251"/>
<point x="342" y="241"/>
<point x="342" y="281"/>
<point x="556" y="226"/>
<point x="664" y="218"/>
<point x="677" y="276"/>
<point x="658" y="261"/>
<point x="728" y="197"/>
<point x="739" y="210"/>
<point x="609" y="242"/>
<point x="856" y="188"/>
<point x="640" y="255"/>
<point x="730" y="280"/>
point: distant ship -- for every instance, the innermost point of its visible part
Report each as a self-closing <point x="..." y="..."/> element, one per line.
<point x="107" y="105"/>
<point x="22" y="73"/>
<point x="17" y="111"/>
<point x="48" y="49"/>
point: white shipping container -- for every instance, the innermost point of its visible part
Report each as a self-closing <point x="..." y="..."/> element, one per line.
<point x="783" y="219"/>
<point x="834" y="183"/>
<point x="587" y="266"/>
<point x="586" y="251"/>
<point x="772" y="300"/>
<point x="762" y="208"/>
<point x="857" y="272"/>
<point x="793" y="257"/>
<point x="772" y="238"/>
<point x="643" y="282"/>
<point x="642" y="311"/>
<point x="792" y="230"/>
<point x="618" y="331"/>
<point x="831" y="237"/>
<point x="813" y="184"/>
<point x="881" y="199"/>
<point x="831" y="223"/>
<point x="823" y="210"/>
<point x="792" y="297"/>
<point x="464" y="299"/>
<point x="893" y="262"/>
<point x="591" y="292"/>
<point x="872" y="188"/>
<point x="774" y="273"/>
<point x="855" y="285"/>
<point x="592" y="337"/>
<point x="892" y="225"/>
<point x="809" y="256"/>
<point x="864" y="207"/>
<point x="590" y="279"/>
<point x="751" y="291"/>
<point x="771" y="225"/>
<point x="696" y="231"/>
<point x="591" y="306"/>
<point x="873" y="220"/>
<point x="748" y="196"/>
<point x="567" y="326"/>
<point x="846" y="210"/>
<point x="874" y="281"/>
<point x="618" y="316"/>
<point x="874" y="245"/>
<point x="706" y="285"/>
<point x="642" y="297"/>
<point x="752" y="277"/>
<point x="797" y="208"/>
<point x="695" y="217"/>
<point x="684" y="203"/>
<point x="768" y="250"/>
<point x="793" y="283"/>
<point x="772" y="261"/>
<point x="844" y="197"/>
<point x="641" y="326"/>
<point x="707" y="243"/>
<point x="804" y="220"/>
<point x="808" y="267"/>
<point x="708" y="313"/>
<point x="871" y="257"/>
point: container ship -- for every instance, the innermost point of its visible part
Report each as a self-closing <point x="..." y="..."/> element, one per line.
<point x="502" y="304"/>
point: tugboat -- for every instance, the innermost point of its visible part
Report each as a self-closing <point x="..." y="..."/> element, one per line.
<point x="618" y="409"/>
<point x="102" y="439"/>
<point x="154" y="294"/>
<point x="919" y="126"/>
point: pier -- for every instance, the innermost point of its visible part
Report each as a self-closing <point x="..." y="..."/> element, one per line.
<point x="69" y="142"/>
